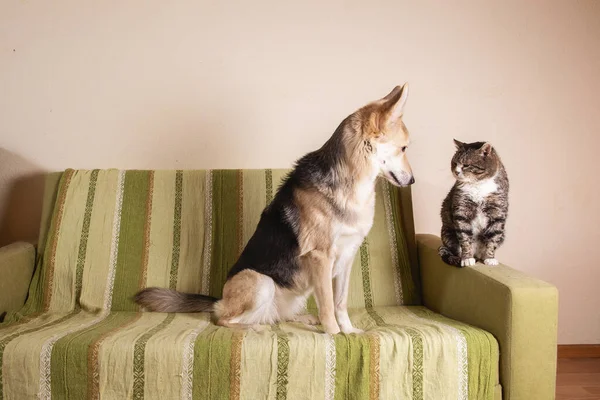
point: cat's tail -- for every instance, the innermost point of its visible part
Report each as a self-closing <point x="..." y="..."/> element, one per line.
<point x="448" y="257"/>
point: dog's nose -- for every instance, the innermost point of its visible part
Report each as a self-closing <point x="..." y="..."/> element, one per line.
<point x="412" y="180"/>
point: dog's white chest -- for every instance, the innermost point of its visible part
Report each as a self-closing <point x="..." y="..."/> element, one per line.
<point x="357" y="227"/>
<point x="480" y="190"/>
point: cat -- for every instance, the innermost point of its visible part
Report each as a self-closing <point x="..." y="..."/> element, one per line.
<point x="475" y="210"/>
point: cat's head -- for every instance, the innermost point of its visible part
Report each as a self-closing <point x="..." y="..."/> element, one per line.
<point x="474" y="162"/>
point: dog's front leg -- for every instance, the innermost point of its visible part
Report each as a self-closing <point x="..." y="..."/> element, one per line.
<point x="320" y="265"/>
<point x="342" y="268"/>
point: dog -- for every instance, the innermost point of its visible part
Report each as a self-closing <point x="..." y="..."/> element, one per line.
<point x="307" y="237"/>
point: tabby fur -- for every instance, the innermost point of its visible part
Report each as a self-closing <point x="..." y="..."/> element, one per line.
<point x="475" y="210"/>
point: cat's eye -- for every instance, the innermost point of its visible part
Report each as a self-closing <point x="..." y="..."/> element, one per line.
<point x="404" y="148"/>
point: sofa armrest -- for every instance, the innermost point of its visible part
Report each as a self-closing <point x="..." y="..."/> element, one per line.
<point x="16" y="268"/>
<point x="520" y="311"/>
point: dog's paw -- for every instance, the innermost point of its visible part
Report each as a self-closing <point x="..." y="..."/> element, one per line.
<point x="467" y="262"/>
<point x="259" y="328"/>
<point x="332" y="329"/>
<point x="490" y="261"/>
<point x="351" y="329"/>
<point x="307" y="319"/>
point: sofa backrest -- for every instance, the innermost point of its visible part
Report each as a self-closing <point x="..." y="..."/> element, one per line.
<point x="107" y="234"/>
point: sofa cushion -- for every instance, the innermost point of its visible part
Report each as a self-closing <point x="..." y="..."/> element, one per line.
<point x="405" y="352"/>
<point x="114" y="232"/>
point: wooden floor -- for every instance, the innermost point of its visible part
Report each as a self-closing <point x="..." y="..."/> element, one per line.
<point x="578" y="379"/>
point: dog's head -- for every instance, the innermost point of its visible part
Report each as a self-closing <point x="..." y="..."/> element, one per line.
<point x="386" y="138"/>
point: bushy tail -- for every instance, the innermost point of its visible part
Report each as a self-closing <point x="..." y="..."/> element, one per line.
<point x="167" y="300"/>
<point x="448" y="257"/>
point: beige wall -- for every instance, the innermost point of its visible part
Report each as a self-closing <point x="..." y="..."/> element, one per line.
<point x="196" y="84"/>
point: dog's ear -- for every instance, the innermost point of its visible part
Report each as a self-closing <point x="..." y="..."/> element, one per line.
<point x="459" y="145"/>
<point x="395" y="91"/>
<point x="394" y="103"/>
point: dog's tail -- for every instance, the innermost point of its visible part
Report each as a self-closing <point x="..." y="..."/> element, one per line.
<point x="167" y="300"/>
<point x="448" y="257"/>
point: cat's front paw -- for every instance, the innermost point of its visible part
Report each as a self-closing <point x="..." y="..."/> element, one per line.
<point x="467" y="262"/>
<point x="490" y="261"/>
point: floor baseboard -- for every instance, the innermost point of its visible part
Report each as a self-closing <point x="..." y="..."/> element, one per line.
<point x="579" y="351"/>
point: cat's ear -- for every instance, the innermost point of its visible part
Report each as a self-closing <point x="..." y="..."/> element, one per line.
<point x="486" y="149"/>
<point x="459" y="145"/>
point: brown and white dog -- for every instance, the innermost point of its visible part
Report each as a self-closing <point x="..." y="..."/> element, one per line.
<point x="306" y="239"/>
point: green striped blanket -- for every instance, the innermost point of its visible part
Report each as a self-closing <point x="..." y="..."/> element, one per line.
<point x="115" y="232"/>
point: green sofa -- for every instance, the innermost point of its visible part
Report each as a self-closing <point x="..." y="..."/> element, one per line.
<point x="431" y="331"/>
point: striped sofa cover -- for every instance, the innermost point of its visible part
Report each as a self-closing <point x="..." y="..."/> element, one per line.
<point x="111" y="233"/>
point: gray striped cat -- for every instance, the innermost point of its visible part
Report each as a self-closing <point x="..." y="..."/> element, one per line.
<point x="474" y="211"/>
